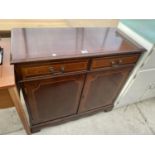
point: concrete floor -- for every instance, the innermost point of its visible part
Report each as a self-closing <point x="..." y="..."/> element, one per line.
<point x="133" y="119"/>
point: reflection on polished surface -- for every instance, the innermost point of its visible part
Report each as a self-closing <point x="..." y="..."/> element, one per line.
<point x="35" y="43"/>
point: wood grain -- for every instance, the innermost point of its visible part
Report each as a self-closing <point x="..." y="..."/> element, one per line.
<point x="92" y="22"/>
<point x="9" y="24"/>
<point x="5" y="99"/>
<point x="50" y="99"/>
<point x="7" y="77"/>
<point x="101" y="88"/>
<point x="27" y="23"/>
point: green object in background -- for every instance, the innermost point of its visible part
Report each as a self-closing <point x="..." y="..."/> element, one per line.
<point x="145" y="27"/>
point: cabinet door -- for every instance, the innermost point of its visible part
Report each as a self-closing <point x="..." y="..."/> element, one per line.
<point x="102" y="88"/>
<point x="49" y="99"/>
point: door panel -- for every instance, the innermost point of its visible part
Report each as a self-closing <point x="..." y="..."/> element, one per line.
<point x="49" y="99"/>
<point x="101" y="88"/>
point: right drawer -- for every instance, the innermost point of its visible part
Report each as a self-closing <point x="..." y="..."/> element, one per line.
<point x="114" y="61"/>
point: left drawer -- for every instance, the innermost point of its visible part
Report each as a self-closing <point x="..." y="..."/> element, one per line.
<point x="53" y="68"/>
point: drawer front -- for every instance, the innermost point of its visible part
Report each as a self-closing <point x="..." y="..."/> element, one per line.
<point x="114" y="61"/>
<point x="53" y="68"/>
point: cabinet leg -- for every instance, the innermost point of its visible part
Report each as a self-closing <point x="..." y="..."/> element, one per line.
<point x="108" y="109"/>
<point x="34" y="130"/>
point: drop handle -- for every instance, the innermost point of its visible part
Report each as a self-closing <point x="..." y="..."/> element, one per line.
<point x="53" y="71"/>
<point x="114" y="64"/>
<point x="120" y="61"/>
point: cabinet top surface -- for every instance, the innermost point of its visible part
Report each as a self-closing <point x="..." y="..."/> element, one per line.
<point x="37" y="44"/>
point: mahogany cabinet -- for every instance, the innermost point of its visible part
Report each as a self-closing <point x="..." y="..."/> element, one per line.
<point x="66" y="73"/>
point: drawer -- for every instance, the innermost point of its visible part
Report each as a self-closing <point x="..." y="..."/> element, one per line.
<point x="114" y="61"/>
<point x="53" y="68"/>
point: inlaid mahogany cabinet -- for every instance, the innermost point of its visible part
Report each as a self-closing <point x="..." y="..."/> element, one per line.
<point x="66" y="73"/>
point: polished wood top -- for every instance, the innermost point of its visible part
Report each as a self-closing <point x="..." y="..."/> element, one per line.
<point x="6" y="70"/>
<point x="37" y="44"/>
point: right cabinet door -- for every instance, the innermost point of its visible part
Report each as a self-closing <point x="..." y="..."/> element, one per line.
<point x="101" y="88"/>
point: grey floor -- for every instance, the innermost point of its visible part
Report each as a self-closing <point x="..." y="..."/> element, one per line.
<point x="133" y="119"/>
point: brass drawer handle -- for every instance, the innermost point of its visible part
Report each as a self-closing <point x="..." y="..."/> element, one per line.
<point x="120" y="61"/>
<point x="53" y="71"/>
<point x="114" y="64"/>
<point x="117" y="63"/>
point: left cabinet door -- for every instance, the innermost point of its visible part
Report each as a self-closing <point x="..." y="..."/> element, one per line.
<point x="53" y="98"/>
